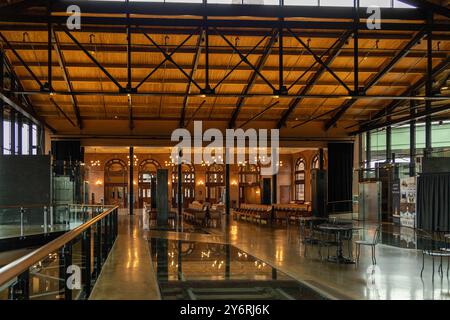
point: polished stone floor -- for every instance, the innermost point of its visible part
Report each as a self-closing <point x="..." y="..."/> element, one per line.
<point x="129" y="274"/>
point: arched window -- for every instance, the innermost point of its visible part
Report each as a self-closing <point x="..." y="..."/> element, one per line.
<point x="147" y="182"/>
<point x="249" y="177"/>
<point x="215" y="182"/>
<point x="300" y="180"/>
<point x="315" y="162"/>
<point x="116" y="186"/>
<point x="187" y="184"/>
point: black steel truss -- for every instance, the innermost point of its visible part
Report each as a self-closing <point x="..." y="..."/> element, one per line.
<point x="389" y="65"/>
<point x="443" y="66"/>
<point x="62" y="65"/>
<point x="259" y="65"/>
<point x="281" y="28"/>
<point x="334" y="52"/>
<point x="195" y="61"/>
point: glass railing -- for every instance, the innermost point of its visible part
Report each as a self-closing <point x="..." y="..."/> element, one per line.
<point x="67" y="267"/>
<point x="26" y="220"/>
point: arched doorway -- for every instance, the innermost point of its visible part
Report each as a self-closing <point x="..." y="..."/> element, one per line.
<point x="187" y="184"/>
<point x="116" y="184"/>
<point x="249" y="184"/>
<point x="215" y="183"/>
<point x="147" y="182"/>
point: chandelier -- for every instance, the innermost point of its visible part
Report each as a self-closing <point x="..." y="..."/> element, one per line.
<point x="169" y="163"/>
<point x="95" y="163"/>
<point x="135" y="160"/>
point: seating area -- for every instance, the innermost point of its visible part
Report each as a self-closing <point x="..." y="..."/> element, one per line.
<point x="271" y="214"/>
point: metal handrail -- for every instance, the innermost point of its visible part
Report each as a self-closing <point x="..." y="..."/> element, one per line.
<point x="18" y="266"/>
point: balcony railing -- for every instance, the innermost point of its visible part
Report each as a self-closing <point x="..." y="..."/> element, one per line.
<point x="27" y="220"/>
<point x="67" y="267"/>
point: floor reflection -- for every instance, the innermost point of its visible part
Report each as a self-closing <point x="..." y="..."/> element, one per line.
<point x="201" y="270"/>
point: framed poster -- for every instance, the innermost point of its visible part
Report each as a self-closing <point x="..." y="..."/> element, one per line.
<point x="408" y="202"/>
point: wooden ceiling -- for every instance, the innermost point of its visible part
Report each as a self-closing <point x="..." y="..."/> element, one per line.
<point x="162" y="105"/>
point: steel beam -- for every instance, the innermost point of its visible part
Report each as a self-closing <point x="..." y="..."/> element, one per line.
<point x="166" y="58"/>
<point x="195" y="62"/>
<point x="407" y="118"/>
<point x="245" y="60"/>
<point x="65" y="74"/>
<point x="62" y="111"/>
<point x="442" y="67"/>
<point x="334" y="53"/>
<point x="17" y="106"/>
<point x="170" y="59"/>
<point x="231" y="94"/>
<point x="220" y="50"/>
<point x="195" y="113"/>
<point x="403" y="52"/>
<point x="8" y="45"/>
<point x="259" y="114"/>
<point x="235" y="67"/>
<point x="209" y="9"/>
<point x="98" y="64"/>
<point x="212" y="67"/>
<point x="319" y="60"/>
<point x="251" y="81"/>
<point x="363" y="33"/>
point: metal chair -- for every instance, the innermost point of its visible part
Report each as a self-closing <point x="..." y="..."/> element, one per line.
<point x="373" y="243"/>
<point x="435" y="246"/>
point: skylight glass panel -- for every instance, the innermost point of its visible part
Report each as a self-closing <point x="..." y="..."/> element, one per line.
<point x="301" y="2"/>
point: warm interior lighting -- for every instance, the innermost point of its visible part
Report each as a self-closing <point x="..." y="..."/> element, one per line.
<point x="234" y="183"/>
<point x="200" y="183"/>
<point x="98" y="182"/>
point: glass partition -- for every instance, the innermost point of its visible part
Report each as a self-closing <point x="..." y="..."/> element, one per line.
<point x="66" y="268"/>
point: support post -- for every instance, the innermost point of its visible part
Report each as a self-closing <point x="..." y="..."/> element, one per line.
<point x="429" y="85"/>
<point x="19" y="133"/>
<point x="388" y="143"/>
<point x="49" y="49"/>
<point x="412" y="140"/>
<point x="321" y="159"/>
<point x="131" y="185"/>
<point x="30" y="137"/>
<point x="355" y="48"/>
<point x="227" y="187"/>
<point x="1" y="103"/>
<point x="12" y="131"/>
<point x="180" y="191"/>
<point x="162" y="203"/>
<point x="368" y="147"/>
<point x="360" y="154"/>
<point x="86" y="249"/>
<point x="274" y="189"/>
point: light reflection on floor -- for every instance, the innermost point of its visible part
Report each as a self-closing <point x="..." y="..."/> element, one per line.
<point x="397" y="275"/>
<point x="202" y="270"/>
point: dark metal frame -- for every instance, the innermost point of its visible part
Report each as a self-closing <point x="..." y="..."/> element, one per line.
<point x="280" y="29"/>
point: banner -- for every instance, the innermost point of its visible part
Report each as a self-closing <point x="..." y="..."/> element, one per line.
<point x="408" y="202"/>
